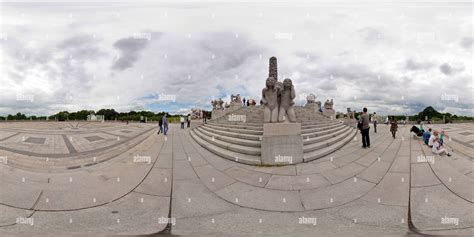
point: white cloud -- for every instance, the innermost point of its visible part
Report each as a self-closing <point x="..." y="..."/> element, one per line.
<point x="88" y="56"/>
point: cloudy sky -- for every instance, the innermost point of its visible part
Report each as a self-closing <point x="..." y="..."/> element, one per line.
<point x="394" y="58"/>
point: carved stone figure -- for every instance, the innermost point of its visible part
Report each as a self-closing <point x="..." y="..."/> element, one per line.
<point x="270" y="100"/>
<point x="220" y="103"/>
<point x="273" y="69"/>
<point x="328" y="104"/>
<point x="311" y="98"/>
<point x="287" y="95"/>
<point x="214" y="104"/>
<point x="196" y="113"/>
<point x="235" y="98"/>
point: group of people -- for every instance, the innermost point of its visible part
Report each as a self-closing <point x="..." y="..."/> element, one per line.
<point x="163" y="125"/>
<point x="188" y="121"/>
<point x="364" y="127"/>
<point x="248" y="102"/>
<point x="432" y="138"/>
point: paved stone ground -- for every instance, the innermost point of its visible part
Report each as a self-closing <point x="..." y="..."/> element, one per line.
<point x="396" y="187"/>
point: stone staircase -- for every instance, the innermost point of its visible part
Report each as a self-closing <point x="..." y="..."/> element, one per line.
<point x="239" y="141"/>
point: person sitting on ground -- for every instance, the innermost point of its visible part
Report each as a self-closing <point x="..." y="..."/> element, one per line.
<point x="426" y="136"/>
<point x="441" y="137"/>
<point x="439" y="149"/>
<point x="432" y="139"/>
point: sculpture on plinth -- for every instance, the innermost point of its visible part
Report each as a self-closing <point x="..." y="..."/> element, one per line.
<point x="196" y="113"/>
<point x="312" y="104"/>
<point x="328" y="108"/>
<point x="217" y="104"/>
<point x="287" y="95"/>
<point x="235" y="98"/>
<point x="270" y="100"/>
<point x="328" y="104"/>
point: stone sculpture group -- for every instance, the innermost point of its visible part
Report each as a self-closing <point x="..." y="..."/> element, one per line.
<point x="277" y="99"/>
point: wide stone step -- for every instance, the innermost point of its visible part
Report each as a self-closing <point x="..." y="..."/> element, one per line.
<point x="235" y="130"/>
<point x="340" y="130"/>
<point x="319" y="123"/>
<point x="322" y="125"/>
<point x="255" y="151"/>
<point x="322" y="133"/>
<point x="243" y="126"/>
<point x="318" y="129"/>
<point x="309" y="156"/>
<point x="232" y="134"/>
<point x="238" y="141"/>
<point x="225" y="122"/>
<point x="327" y="142"/>
<point x="234" y="156"/>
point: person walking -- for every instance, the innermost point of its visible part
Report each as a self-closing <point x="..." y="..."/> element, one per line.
<point x="160" y="124"/>
<point x="364" y="127"/>
<point x="165" y="125"/>
<point x="181" y="119"/>
<point x="243" y="101"/>
<point x="393" y="127"/>
<point x="375" y="119"/>
<point x="204" y="117"/>
<point x="189" y="121"/>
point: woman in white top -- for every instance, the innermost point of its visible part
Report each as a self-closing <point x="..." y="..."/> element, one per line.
<point x="438" y="149"/>
<point x="432" y="139"/>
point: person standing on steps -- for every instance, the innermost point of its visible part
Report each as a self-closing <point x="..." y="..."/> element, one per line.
<point x="364" y="127"/>
<point x="393" y="127"/>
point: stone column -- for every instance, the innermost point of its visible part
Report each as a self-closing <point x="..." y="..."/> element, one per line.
<point x="273" y="69"/>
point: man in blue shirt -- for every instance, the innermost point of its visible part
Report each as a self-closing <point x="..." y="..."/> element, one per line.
<point x="426" y="136"/>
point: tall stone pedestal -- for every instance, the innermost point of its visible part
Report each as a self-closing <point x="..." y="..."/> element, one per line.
<point x="217" y="114"/>
<point x="282" y="144"/>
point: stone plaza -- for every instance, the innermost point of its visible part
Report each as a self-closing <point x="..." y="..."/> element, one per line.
<point x="112" y="178"/>
<point x="274" y="169"/>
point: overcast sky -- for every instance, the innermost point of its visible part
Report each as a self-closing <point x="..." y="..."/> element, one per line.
<point x="391" y="58"/>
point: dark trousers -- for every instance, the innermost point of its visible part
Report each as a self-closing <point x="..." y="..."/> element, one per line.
<point x="375" y="126"/>
<point x="365" y="137"/>
<point x="189" y="124"/>
<point x="182" y="125"/>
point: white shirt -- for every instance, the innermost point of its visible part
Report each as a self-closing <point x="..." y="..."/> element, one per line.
<point x="182" y="119"/>
<point x="434" y="149"/>
<point x="431" y="140"/>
